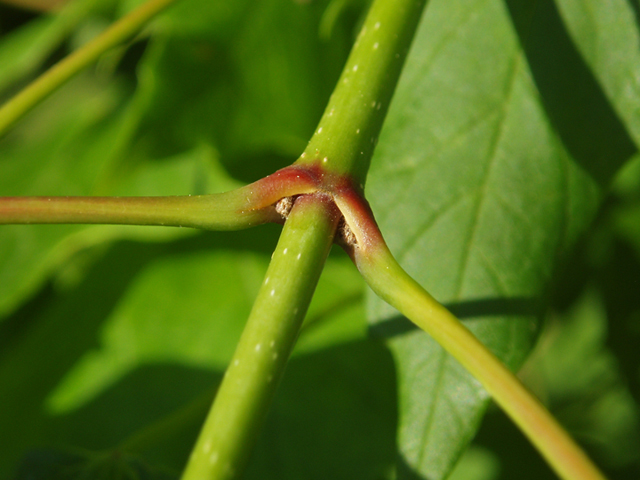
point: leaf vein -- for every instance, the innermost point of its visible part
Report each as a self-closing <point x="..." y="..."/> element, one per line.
<point x="473" y="230"/>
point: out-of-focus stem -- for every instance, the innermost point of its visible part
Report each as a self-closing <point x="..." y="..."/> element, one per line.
<point x="49" y="81"/>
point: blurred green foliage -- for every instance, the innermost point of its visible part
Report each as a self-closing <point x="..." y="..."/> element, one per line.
<point x="492" y="183"/>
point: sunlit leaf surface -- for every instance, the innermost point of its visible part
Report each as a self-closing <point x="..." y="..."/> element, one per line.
<point x="490" y="165"/>
<point x="510" y="122"/>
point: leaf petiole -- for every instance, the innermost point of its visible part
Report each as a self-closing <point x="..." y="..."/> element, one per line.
<point x="394" y="285"/>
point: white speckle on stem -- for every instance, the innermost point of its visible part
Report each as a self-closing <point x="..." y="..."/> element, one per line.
<point x="236" y="362"/>
<point x="355" y="68"/>
<point x="298" y="257"/>
<point x="272" y="343"/>
<point x="320" y="130"/>
<point x="207" y="446"/>
<point x="284" y="252"/>
<point x="331" y="112"/>
<point x="325" y="159"/>
<point x="346" y="80"/>
<point x="303" y="155"/>
<point x="358" y="131"/>
<point x="373" y="104"/>
<point x="377" y="25"/>
<point x="258" y="347"/>
<point x="376" y="45"/>
<point x="272" y="292"/>
<point x="266" y="280"/>
<point x="379" y="105"/>
<point x="213" y="458"/>
<point x="275" y="355"/>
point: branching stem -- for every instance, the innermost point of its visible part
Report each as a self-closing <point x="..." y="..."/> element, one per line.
<point x="332" y="169"/>
<point x="241" y="208"/>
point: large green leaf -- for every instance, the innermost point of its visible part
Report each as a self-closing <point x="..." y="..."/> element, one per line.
<point x="489" y="166"/>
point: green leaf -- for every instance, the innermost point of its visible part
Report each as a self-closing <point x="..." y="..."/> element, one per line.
<point x="37" y="160"/>
<point x="69" y="466"/>
<point x="606" y="34"/>
<point x="140" y="313"/>
<point x="30" y="253"/>
<point x="333" y="417"/>
<point x="42" y="344"/>
<point x="572" y="364"/>
<point x="151" y="323"/>
<point x="256" y="100"/>
<point x="488" y="168"/>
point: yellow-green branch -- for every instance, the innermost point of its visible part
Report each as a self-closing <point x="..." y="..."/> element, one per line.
<point x="62" y="71"/>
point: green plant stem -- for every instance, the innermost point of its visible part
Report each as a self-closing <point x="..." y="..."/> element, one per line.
<point x="389" y="281"/>
<point x="62" y="71"/>
<point x="244" y="207"/>
<point x="226" y="439"/>
<point x="210" y="212"/>
<point x="348" y="131"/>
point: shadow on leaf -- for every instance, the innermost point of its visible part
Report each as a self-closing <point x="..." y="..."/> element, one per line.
<point x="587" y="124"/>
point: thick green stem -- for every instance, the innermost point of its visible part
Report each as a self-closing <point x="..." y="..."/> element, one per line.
<point x="226" y="439"/>
<point x="348" y="131"/>
<point x="44" y="85"/>
<point x="389" y="281"/>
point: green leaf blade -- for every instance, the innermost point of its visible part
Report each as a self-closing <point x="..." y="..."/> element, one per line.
<point x="478" y="192"/>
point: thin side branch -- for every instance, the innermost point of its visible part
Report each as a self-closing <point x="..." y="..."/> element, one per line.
<point x="241" y="208"/>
